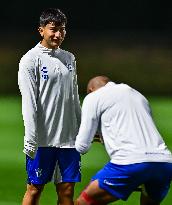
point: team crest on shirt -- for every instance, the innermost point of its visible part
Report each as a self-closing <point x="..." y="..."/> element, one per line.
<point x="44" y="73"/>
<point x="69" y="66"/>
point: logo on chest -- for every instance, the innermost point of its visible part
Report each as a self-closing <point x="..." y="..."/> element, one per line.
<point x="44" y="73"/>
<point x="69" y="67"/>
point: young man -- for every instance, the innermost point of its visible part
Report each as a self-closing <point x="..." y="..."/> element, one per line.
<point x="138" y="153"/>
<point x="51" y="112"/>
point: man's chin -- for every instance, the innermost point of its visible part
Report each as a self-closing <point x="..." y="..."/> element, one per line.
<point x="56" y="45"/>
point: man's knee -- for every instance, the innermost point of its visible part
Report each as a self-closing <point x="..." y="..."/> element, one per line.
<point x="68" y="192"/>
<point x="34" y="190"/>
<point x="65" y="190"/>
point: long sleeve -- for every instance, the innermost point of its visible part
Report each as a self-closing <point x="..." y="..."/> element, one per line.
<point x="28" y="89"/>
<point x="89" y="125"/>
<point x="76" y="97"/>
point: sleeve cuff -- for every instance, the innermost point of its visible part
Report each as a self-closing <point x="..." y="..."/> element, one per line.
<point x="81" y="148"/>
<point x="31" y="154"/>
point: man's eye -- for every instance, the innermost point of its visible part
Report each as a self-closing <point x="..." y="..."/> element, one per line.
<point x="61" y="29"/>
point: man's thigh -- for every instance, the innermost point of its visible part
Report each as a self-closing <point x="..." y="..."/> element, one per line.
<point x="67" y="166"/>
<point x="158" y="184"/>
<point x="121" y="180"/>
<point x="40" y="169"/>
<point x="94" y="195"/>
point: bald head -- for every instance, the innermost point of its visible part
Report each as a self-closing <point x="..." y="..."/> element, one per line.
<point x="96" y="83"/>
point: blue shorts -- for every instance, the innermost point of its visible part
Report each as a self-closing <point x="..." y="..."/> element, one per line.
<point x="49" y="161"/>
<point x="122" y="180"/>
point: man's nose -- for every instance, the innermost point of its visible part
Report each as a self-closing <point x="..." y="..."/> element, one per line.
<point x="58" y="34"/>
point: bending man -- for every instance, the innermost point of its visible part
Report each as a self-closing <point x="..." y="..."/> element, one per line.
<point x="138" y="154"/>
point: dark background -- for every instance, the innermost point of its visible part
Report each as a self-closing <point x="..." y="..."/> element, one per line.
<point x="105" y="14"/>
<point x="130" y="41"/>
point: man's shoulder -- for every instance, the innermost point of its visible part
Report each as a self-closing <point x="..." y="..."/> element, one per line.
<point x="91" y="97"/>
<point x="30" y="55"/>
<point x="67" y="54"/>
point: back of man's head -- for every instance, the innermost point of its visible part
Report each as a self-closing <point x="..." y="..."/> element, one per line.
<point x="96" y="83"/>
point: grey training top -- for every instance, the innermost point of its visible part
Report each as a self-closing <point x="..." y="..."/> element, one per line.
<point x="50" y="102"/>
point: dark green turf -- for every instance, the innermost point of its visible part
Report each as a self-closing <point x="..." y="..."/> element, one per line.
<point x="12" y="160"/>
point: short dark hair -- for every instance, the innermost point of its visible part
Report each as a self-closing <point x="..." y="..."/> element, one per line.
<point x="54" y="15"/>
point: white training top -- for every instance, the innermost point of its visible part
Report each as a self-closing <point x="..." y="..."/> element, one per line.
<point x="129" y="133"/>
<point x="50" y="102"/>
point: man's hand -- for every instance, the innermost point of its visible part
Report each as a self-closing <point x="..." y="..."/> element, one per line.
<point x="30" y="149"/>
<point x="98" y="138"/>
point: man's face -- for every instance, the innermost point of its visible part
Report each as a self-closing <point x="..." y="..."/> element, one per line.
<point x="52" y="35"/>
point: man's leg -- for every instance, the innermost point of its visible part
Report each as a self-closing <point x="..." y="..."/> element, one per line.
<point x="156" y="188"/>
<point x="32" y="194"/>
<point x="146" y="200"/>
<point x="94" y="195"/>
<point x="65" y="193"/>
<point x="66" y="173"/>
<point x="39" y="171"/>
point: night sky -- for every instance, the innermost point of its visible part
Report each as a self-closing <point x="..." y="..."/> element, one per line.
<point x="93" y="15"/>
<point x="108" y="28"/>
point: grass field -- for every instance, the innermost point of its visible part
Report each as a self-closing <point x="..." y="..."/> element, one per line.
<point x="12" y="160"/>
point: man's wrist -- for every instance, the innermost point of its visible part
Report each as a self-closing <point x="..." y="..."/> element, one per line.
<point x="30" y="153"/>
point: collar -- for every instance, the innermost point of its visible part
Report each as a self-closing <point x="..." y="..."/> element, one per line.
<point x="47" y="50"/>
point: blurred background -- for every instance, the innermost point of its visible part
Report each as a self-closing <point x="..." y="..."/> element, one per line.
<point x="129" y="41"/>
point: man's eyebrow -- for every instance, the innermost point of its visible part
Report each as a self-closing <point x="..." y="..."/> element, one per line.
<point x="54" y="26"/>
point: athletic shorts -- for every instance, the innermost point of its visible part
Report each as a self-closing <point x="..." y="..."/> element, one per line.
<point x="51" y="163"/>
<point x="122" y="180"/>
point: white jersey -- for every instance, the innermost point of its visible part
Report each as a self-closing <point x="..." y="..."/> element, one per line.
<point x="128" y="130"/>
<point x="50" y="102"/>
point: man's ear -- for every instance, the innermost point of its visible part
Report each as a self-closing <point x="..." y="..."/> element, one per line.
<point x="90" y="90"/>
<point x="41" y="31"/>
